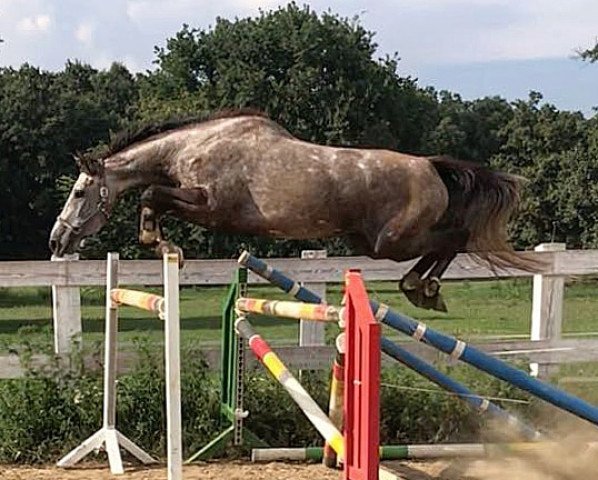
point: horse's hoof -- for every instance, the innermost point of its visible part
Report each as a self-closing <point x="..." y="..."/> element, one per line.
<point x="149" y="237"/>
<point x="435" y="303"/>
<point x="410" y="283"/>
<point x="431" y="287"/>
<point x="419" y="299"/>
<point x="149" y="232"/>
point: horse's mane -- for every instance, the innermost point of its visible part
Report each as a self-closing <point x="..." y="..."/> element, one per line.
<point x="136" y="132"/>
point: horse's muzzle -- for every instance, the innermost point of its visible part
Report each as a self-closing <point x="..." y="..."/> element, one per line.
<point x="60" y="239"/>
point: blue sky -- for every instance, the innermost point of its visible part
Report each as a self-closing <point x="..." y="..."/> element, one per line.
<point x="473" y="47"/>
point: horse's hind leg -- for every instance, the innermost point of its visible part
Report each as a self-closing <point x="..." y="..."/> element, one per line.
<point x="412" y="280"/>
<point x="418" y="289"/>
<point x="423" y="289"/>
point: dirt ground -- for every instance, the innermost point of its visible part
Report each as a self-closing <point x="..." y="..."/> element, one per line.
<point x="496" y="469"/>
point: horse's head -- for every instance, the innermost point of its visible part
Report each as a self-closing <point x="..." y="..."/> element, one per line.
<point x="86" y="209"/>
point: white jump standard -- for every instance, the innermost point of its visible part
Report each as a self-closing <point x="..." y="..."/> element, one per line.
<point x="167" y="308"/>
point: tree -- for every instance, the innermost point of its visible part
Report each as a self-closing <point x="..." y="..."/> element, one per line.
<point x="550" y="149"/>
<point x="468" y="130"/>
<point x="590" y="54"/>
<point x="315" y="74"/>
<point x="44" y="118"/>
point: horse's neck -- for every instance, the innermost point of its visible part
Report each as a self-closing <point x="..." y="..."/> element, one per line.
<point x="138" y="166"/>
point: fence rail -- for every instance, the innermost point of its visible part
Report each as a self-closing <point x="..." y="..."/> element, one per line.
<point x="328" y="270"/>
<point x="547" y="353"/>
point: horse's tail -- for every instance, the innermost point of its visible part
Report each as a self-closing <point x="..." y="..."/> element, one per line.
<point x="482" y="202"/>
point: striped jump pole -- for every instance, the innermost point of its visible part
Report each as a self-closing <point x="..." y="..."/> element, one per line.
<point x="417" y="452"/>
<point x="337" y="393"/>
<point x="457" y="349"/>
<point x="476" y="402"/>
<point x="390" y="348"/>
<point x="460" y="350"/>
<point x="294" y="310"/>
<point x="306" y="403"/>
<point x="142" y="300"/>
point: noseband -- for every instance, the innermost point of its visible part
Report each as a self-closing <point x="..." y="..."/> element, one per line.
<point x="102" y="207"/>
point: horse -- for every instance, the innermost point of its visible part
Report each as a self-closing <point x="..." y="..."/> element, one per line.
<point x="241" y="172"/>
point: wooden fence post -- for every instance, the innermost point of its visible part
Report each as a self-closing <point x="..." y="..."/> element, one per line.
<point x="547" y="308"/>
<point x="66" y="312"/>
<point x="312" y="333"/>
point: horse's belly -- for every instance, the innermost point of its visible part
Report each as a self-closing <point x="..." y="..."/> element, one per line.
<point x="302" y="228"/>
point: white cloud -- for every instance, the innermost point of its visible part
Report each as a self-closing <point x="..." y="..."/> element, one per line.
<point x="256" y="4"/>
<point x="35" y="24"/>
<point x="84" y="33"/>
<point x="424" y="32"/>
<point x="433" y="32"/>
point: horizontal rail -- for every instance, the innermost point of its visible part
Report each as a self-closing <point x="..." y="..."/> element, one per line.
<point x="321" y="357"/>
<point x="424" y="451"/>
<point x="142" y="300"/>
<point x="288" y="309"/>
<point x="219" y="272"/>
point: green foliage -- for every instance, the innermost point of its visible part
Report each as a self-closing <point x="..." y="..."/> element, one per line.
<point x="44" y="118"/>
<point x="556" y="152"/>
<point x="414" y="410"/>
<point x="590" y="54"/>
<point x="314" y="73"/>
<point x="468" y="129"/>
<point x="54" y="408"/>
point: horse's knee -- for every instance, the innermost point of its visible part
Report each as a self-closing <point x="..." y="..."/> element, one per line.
<point x="149" y="195"/>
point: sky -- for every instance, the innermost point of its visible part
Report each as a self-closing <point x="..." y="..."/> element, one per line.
<point x="472" y="47"/>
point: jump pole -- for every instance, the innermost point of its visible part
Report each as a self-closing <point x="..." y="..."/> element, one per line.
<point x="167" y="308"/>
<point x="415" y="452"/>
<point x="457" y="349"/>
<point x="390" y="348"/>
<point x="293" y="310"/>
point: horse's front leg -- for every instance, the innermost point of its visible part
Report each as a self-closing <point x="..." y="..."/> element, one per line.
<point x="149" y="225"/>
<point x="157" y="200"/>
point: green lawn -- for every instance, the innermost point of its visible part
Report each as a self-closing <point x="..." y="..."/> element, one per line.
<point x="501" y="308"/>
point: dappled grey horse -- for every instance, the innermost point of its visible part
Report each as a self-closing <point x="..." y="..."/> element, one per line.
<point x="240" y="172"/>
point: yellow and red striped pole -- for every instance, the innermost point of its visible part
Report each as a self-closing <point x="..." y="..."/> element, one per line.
<point x="336" y="402"/>
<point x="308" y="406"/>
<point x="288" y="309"/>
<point x="135" y="298"/>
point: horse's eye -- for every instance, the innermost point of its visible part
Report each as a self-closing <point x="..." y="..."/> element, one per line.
<point x="79" y="193"/>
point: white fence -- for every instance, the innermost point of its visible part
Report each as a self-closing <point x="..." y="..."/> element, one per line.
<point x="546" y="347"/>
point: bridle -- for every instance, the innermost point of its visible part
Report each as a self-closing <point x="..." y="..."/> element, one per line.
<point x="103" y="207"/>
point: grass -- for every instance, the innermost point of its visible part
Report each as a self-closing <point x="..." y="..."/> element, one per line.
<point x="490" y="308"/>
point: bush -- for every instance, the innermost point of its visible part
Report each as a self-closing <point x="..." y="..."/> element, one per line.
<point x="53" y="409"/>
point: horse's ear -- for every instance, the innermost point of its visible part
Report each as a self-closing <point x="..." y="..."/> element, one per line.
<point x="88" y="165"/>
<point x="77" y="157"/>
